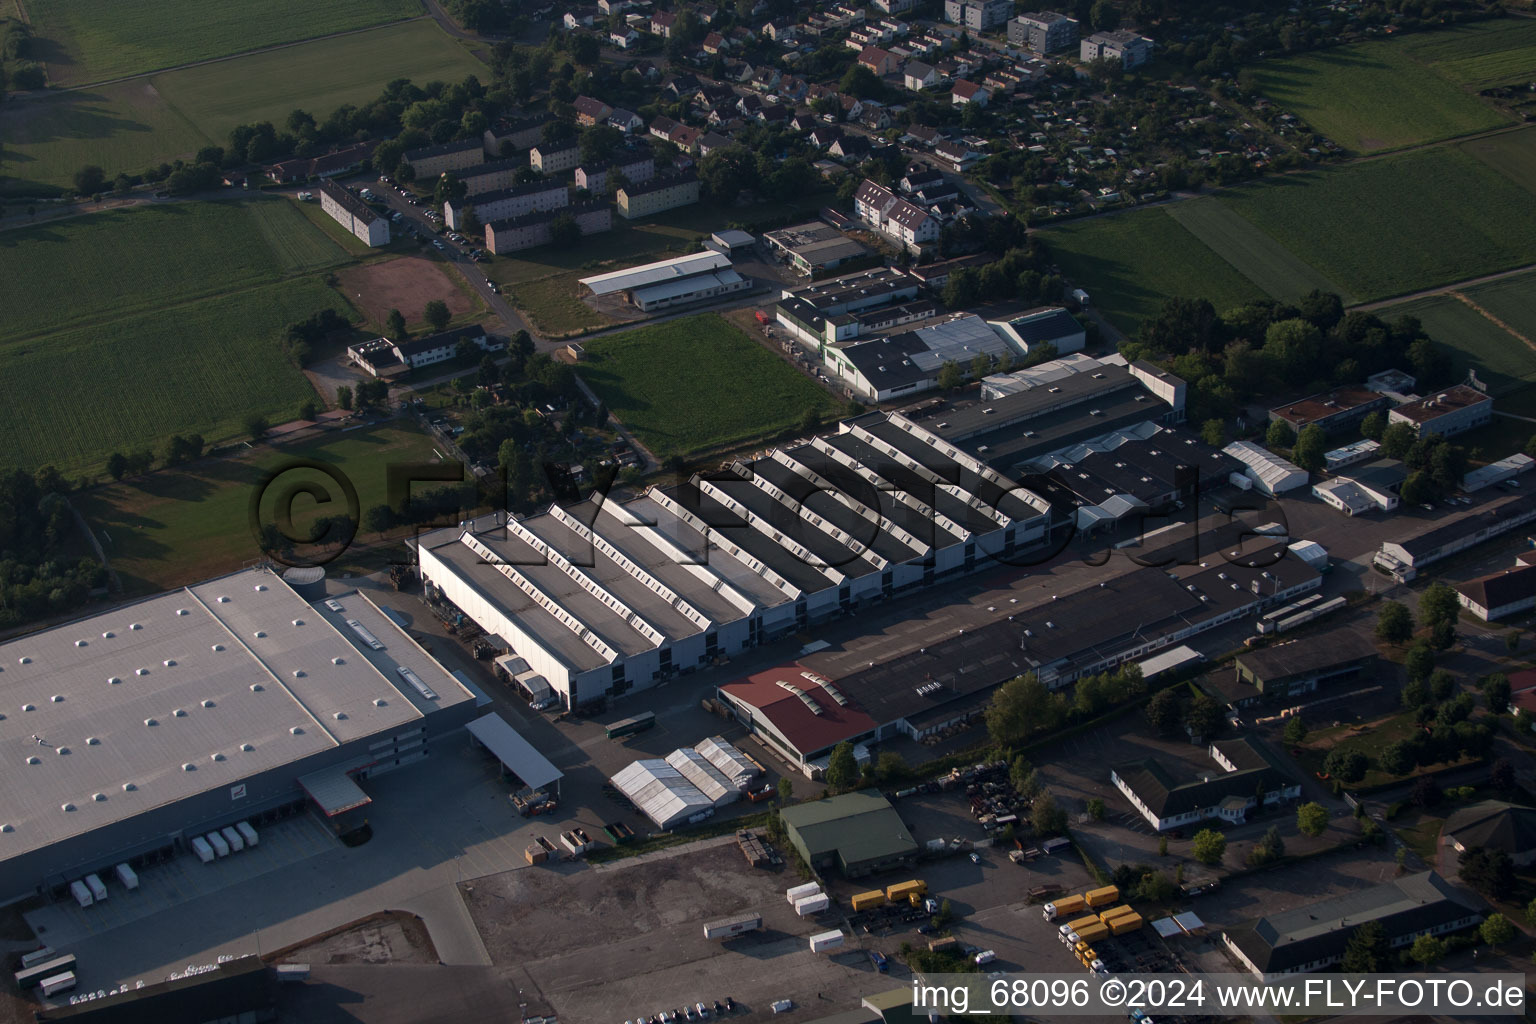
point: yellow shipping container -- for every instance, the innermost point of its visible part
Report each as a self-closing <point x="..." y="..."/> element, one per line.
<point x="1100" y="897"/>
<point x="1067" y="905"/>
<point x="905" y="890"/>
<point x="1082" y="922"/>
<point x="865" y="900"/>
<point x="1114" y="912"/>
<point x="1097" y="931"/>
<point x="1124" y="924"/>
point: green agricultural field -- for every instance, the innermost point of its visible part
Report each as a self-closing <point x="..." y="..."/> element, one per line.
<point x="1396" y="225"/>
<point x="170" y="528"/>
<point x="1501" y="360"/>
<point x="95" y="40"/>
<point x="1251" y="252"/>
<point x="697" y="383"/>
<point x="1130" y="263"/>
<point x="1373" y="96"/>
<point x="203" y="366"/>
<point x="1512" y="300"/>
<point x="318" y="76"/>
<point x="106" y="265"/>
<point x="1480" y="55"/>
<point x="1512" y="154"/>
<point x="123" y="127"/>
<point x="136" y="124"/>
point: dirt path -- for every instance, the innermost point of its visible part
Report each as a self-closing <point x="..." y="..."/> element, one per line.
<point x="1489" y="316"/>
<point x="1446" y="289"/>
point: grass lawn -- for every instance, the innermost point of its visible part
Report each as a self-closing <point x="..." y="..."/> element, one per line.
<point x="203" y="367"/>
<point x="1422" y="837"/>
<point x="170" y="528"/>
<point x="1370" y="739"/>
<point x="551" y="304"/>
<point x="1396" y="225"/>
<point x="1251" y="252"/>
<point x="107" y="265"/>
<point x="1480" y="55"/>
<point x="122" y="127"/>
<point x="1374" y="96"/>
<point x="1131" y="262"/>
<point x="696" y="383"/>
<point x="92" y="40"/>
<point x="132" y="125"/>
<point x="1502" y="361"/>
<point x="318" y="76"/>
<point x="1512" y="300"/>
<point x="1512" y="154"/>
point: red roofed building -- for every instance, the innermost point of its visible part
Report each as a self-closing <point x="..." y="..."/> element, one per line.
<point x="800" y="714"/>
<point x="964" y="92"/>
<point x="881" y="62"/>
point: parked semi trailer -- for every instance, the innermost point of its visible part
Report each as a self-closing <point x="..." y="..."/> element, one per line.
<point x="1063" y="906"/>
<point x="729" y="926"/>
<point x="1101" y="897"/>
<point x="822" y="942"/>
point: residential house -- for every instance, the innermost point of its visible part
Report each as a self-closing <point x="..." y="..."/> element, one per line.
<point x="1130" y="49"/>
<point x="432" y="161"/>
<point x="709" y="142"/>
<point x="591" y="111"/>
<point x="508" y="135"/>
<point x="765" y="78"/>
<point x="686" y="138"/>
<point x="922" y="135"/>
<point x="850" y="148"/>
<point x="554" y="158"/>
<point x="490" y="176"/>
<point x="901" y="221"/>
<point x="958" y="156"/>
<point x="780" y="30"/>
<point x="706" y="13"/>
<point x="517" y="201"/>
<point x="624" y="37"/>
<point x="353" y="214"/>
<point x="822" y="136"/>
<point x="963" y="92"/>
<point x="517" y="233"/>
<point x="662" y="22"/>
<point x="874" y="117"/>
<point x="715" y="44"/>
<point x="636" y="168"/>
<point x="881" y="62"/>
<point x="680" y="87"/>
<point x="894" y="6"/>
<point x="626" y="121"/>
<point x="326" y="166"/>
<point x="662" y="128"/>
<point x="918" y="76"/>
<point x="579" y="17"/>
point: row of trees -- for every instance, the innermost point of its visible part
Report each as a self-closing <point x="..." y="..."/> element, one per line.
<point x="37" y="578"/>
<point x="1024" y="707"/>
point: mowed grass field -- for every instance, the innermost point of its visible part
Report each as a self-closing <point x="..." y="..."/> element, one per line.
<point x="168" y="529"/>
<point x="697" y="383"/>
<point x="94" y="40"/>
<point x="72" y="398"/>
<point x="1130" y="263"/>
<point x="1512" y="154"/>
<point x="106" y="265"/>
<point x="1502" y="361"/>
<point x="1399" y="224"/>
<point x="1512" y="300"/>
<point x="1387" y="94"/>
<point x="132" y="125"/>
<point x="1251" y="252"/>
<point x="1479" y="55"/>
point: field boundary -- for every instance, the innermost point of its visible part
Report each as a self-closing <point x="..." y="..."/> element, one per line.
<point x="100" y="83"/>
<point x="1251" y="251"/>
<point x="1506" y="328"/>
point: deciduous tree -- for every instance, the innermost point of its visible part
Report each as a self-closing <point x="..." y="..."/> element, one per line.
<point x="1312" y="819"/>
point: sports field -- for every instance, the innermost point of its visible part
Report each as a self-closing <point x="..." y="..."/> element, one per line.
<point x="1396" y="225"/>
<point x="697" y="383"/>
<point x="1479" y="55"/>
<point x="87" y="41"/>
<point x="1381" y="95"/>
<point x="105" y="265"/>
<point x="72" y="398"/>
<point x="1512" y="301"/>
<point x="1512" y="154"/>
<point x="131" y="125"/>
<point x="168" y="529"/>
<point x="1130" y="263"/>
<point x="1250" y="251"/>
<point x="1502" y="361"/>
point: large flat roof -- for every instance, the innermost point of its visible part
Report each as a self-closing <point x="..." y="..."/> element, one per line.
<point x="239" y="675"/>
<point x="655" y="273"/>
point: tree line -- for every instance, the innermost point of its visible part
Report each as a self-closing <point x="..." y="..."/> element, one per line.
<point x="38" y="574"/>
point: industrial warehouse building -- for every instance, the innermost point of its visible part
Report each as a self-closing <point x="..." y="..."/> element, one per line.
<point x="1297" y="668"/>
<point x="804" y="534"/>
<point x="1313" y="937"/>
<point x="133" y="731"/>
<point x="1268" y="472"/>
<point x="1448" y="412"/>
<point x="688" y="784"/>
<point x="1402" y="559"/>
<point x="894" y="680"/>
<point x="353" y="214"/>
<point x="679" y="281"/>
<point x="858" y="834"/>
<point x="1250" y="777"/>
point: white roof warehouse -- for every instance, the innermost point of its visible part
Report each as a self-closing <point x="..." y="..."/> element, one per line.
<point x="195" y="709"/>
